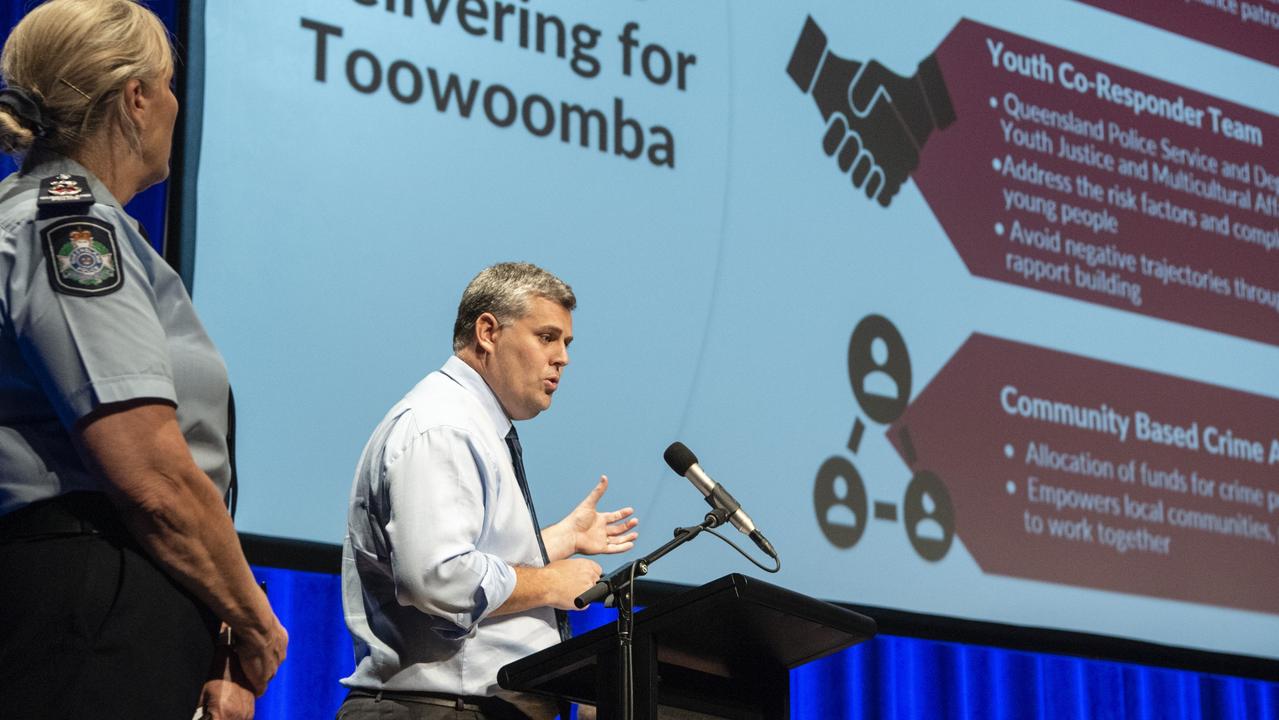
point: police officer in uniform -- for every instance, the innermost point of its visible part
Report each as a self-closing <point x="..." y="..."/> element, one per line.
<point x="123" y="589"/>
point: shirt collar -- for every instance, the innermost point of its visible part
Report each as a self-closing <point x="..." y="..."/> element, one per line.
<point x="465" y="375"/>
<point x="51" y="164"/>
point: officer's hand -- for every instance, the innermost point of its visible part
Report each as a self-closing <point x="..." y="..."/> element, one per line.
<point x="227" y="695"/>
<point x="261" y="653"/>
<point x="570" y="578"/>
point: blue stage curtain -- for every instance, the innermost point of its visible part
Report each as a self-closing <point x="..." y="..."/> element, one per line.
<point x="310" y="606"/>
<point x="888" y="678"/>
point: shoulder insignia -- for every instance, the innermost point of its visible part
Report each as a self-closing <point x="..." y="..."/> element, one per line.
<point x="82" y="255"/>
<point x="63" y="190"/>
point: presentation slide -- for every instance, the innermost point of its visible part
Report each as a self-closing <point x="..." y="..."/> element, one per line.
<point x="974" y="305"/>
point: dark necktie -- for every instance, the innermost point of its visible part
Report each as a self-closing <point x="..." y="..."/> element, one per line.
<point x="517" y="459"/>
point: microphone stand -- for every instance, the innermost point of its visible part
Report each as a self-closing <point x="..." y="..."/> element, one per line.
<point x="608" y="589"/>
<point x="618" y="590"/>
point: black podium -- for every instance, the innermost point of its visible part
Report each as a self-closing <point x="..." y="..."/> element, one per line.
<point x="724" y="649"/>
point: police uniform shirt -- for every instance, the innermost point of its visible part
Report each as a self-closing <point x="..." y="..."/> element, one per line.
<point x="90" y="314"/>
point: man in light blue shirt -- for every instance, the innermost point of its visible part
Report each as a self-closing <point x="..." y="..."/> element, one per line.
<point x="445" y="575"/>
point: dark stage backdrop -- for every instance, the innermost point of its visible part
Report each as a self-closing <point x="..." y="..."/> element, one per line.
<point x="893" y="676"/>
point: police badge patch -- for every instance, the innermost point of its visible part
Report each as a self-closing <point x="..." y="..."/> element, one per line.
<point x="82" y="256"/>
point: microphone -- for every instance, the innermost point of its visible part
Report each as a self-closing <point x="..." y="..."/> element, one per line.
<point x="684" y="462"/>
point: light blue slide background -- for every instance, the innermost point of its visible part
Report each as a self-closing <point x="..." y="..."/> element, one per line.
<point x="336" y="231"/>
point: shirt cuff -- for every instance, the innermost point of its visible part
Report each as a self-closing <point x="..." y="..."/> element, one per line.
<point x="113" y="390"/>
<point x="495" y="587"/>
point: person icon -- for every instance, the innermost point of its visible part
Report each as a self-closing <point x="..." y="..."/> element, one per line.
<point x="877" y="381"/>
<point x="839" y="513"/>
<point x="839" y="498"/>
<point x="928" y="528"/>
<point x="879" y="368"/>
<point x="929" y="516"/>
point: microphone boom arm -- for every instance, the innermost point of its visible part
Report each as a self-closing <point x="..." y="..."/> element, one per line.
<point x="619" y="580"/>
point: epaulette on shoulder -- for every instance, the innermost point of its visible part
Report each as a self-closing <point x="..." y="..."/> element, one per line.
<point x="61" y="194"/>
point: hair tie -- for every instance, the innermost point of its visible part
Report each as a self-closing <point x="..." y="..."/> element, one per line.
<point x="27" y="107"/>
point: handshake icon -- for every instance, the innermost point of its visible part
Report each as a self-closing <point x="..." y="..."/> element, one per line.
<point x="876" y="120"/>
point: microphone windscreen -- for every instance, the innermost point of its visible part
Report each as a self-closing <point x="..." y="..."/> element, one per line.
<point x="679" y="457"/>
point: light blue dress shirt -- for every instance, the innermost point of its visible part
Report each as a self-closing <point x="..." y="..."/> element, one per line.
<point x="436" y="522"/>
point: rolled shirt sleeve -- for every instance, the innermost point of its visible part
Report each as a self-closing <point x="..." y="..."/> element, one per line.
<point x="439" y="491"/>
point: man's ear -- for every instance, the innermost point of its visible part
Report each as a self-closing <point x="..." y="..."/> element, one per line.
<point x="487" y="330"/>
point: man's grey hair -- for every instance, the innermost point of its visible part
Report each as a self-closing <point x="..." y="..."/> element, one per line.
<point x="504" y="289"/>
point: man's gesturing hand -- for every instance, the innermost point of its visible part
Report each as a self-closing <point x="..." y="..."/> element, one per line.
<point x="588" y="531"/>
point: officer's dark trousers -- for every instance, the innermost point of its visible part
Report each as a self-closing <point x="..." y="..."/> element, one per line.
<point x="91" y="628"/>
